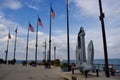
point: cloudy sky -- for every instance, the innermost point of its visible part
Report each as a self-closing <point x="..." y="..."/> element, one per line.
<point x="83" y="13"/>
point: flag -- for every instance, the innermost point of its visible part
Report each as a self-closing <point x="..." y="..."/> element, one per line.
<point x="52" y="13"/>
<point x="16" y="30"/>
<point x="31" y="28"/>
<point x="9" y="36"/>
<point x="39" y="22"/>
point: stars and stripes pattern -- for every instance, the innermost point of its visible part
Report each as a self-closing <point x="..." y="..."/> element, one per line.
<point x="52" y="13"/>
<point x="16" y="30"/>
<point x="39" y="22"/>
<point x="31" y="28"/>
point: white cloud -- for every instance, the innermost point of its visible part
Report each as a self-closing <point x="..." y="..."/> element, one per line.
<point x="6" y="24"/>
<point x="2" y="28"/>
<point x="90" y="8"/>
<point x="34" y="4"/>
<point x="112" y="37"/>
<point x="58" y="31"/>
<point x="12" y="4"/>
<point x="87" y="7"/>
<point x="32" y="7"/>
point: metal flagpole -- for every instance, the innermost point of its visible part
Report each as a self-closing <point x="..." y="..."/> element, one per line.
<point x="27" y="46"/>
<point x="50" y="40"/>
<point x="68" y="50"/>
<point x="15" y="43"/>
<point x="36" y="44"/>
<point x="54" y="53"/>
<point x="7" y="51"/>
<point x="9" y="37"/>
<point x="45" y="49"/>
<point x="104" y="39"/>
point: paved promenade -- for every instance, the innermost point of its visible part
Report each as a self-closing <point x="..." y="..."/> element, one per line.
<point x="19" y="72"/>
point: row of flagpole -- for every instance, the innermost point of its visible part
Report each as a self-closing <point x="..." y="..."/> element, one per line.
<point x="6" y="51"/>
<point x="30" y="27"/>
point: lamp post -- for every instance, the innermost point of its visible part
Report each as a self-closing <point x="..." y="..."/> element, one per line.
<point x="68" y="46"/>
<point x="104" y="39"/>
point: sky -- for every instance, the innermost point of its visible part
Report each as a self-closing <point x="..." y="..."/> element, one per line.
<point x="82" y="13"/>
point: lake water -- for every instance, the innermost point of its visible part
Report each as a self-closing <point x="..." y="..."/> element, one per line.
<point x="114" y="62"/>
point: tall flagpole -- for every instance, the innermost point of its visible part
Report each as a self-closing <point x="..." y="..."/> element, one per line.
<point x="104" y="39"/>
<point x="36" y="45"/>
<point x="27" y="46"/>
<point x="7" y="51"/>
<point x="54" y="53"/>
<point x="68" y="50"/>
<point x="50" y="40"/>
<point x="15" y="43"/>
<point x="45" y="50"/>
<point x="7" y="47"/>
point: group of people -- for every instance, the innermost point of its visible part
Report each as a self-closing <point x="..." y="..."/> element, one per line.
<point x="111" y="70"/>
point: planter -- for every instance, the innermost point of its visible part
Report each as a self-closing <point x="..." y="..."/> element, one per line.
<point x="24" y="63"/>
<point x="46" y="66"/>
<point x="64" y="69"/>
<point x="56" y="62"/>
<point x="56" y="65"/>
<point x="33" y="65"/>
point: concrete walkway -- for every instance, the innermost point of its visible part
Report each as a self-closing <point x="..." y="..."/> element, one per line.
<point x="19" y="72"/>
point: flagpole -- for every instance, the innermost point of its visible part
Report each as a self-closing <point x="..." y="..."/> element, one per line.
<point x="27" y="46"/>
<point x="50" y="40"/>
<point x="54" y="53"/>
<point x="68" y="50"/>
<point x="15" y="43"/>
<point x="36" y="45"/>
<point x="45" y="48"/>
<point x="7" y="51"/>
<point x="9" y="37"/>
<point x="104" y="39"/>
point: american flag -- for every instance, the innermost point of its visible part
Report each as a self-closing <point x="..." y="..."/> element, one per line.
<point x="40" y="22"/>
<point x="31" y="28"/>
<point x="52" y="13"/>
<point x="16" y="30"/>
